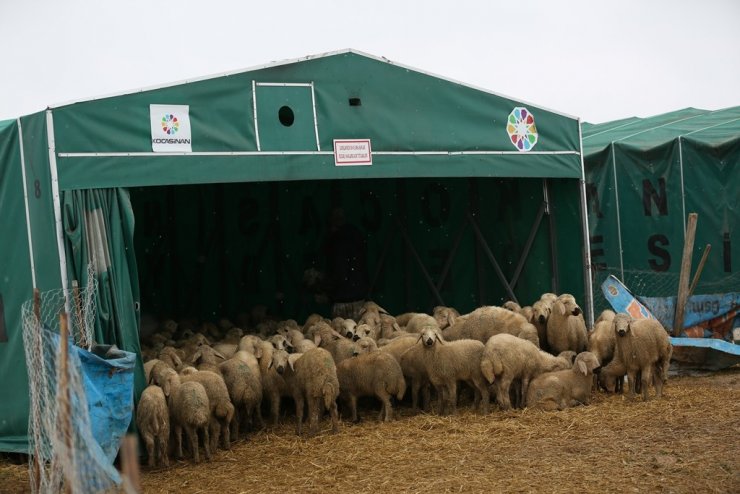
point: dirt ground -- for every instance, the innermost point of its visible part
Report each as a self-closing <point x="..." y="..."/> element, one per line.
<point x="689" y="441"/>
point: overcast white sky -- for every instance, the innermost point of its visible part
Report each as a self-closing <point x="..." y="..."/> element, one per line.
<point x="598" y="60"/>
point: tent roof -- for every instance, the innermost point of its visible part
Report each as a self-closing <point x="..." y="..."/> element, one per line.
<point x="711" y="128"/>
<point x="5" y="124"/>
<point x="419" y="125"/>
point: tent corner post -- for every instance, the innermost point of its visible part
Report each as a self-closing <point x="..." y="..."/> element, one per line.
<point x="587" y="277"/>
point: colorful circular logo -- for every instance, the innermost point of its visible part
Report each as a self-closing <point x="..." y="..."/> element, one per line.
<point x="170" y="125"/>
<point x="521" y="129"/>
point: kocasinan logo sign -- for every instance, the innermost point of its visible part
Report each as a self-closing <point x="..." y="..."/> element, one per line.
<point x="170" y="126"/>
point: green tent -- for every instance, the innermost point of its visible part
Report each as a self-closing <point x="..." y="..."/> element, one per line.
<point x="209" y="197"/>
<point x="644" y="176"/>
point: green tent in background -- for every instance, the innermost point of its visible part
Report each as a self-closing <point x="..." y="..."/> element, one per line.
<point x="644" y="176"/>
<point x="209" y="197"/>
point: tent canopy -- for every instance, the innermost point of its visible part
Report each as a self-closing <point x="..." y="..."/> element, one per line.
<point x="644" y="175"/>
<point x="418" y="125"/>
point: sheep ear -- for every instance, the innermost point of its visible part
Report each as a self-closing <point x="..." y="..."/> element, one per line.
<point x="258" y="352"/>
<point x="317" y="339"/>
<point x="272" y="360"/>
<point x="439" y="338"/>
<point x="196" y="356"/>
<point x="362" y="311"/>
<point x="219" y="354"/>
<point x="166" y="387"/>
<point x="383" y="311"/>
<point x="176" y="360"/>
<point x="396" y="326"/>
<point x="291" y="364"/>
<point x="451" y="319"/>
<point x="582" y="367"/>
<point x="561" y="307"/>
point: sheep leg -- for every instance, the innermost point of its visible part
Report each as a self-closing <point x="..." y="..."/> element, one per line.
<point x="452" y="396"/>
<point x="275" y="408"/>
<point x="235" y="424"/>
<point x="426" y="396"/>
<point x="162" y="444"/>
<point x="258" y="413"/>
<point x="206" y="442"/>
<point x="502" y="392"/>
<point x="353" y="408"/>
<point x="178" y="441"/>
<point x="415" y="387"/>
<point x="225" y="433"/>
<point x="386" y="413"/>
<point x="334" y="413"/>
<point x="647" y="377"/>
<point x="485" y="396"/>
<point x="314" y="409"/>
<point x="193" y="441"/>
<point x="632" y="383"/>
<point x="214" y="430"/>
<point x="298" y="398"/>
<point x="149" y="442"/>
<point x="522" y="396"/>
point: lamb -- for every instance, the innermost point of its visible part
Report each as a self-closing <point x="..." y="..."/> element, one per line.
<point x="189" y="409"/>
<point x="312" y="377"/>
<point x="565" y="388"/>
<point x="541" y="310"/>
<point x="414" y="370"/>
<point x="153" y="421"/>
<point x="507" y="358"/>
<point x="449" y="362"/>
<point x="248" y="343"/>
<point x="370" y="315"/>
<point x="642" y="346"/>
<point x="487" y="321"/>
<point x="371" y="374"/>
<point x="207" y="358"/>
<point x="365" y="331"/>
<point x="245" y="392"/>
<point x="172" y="357"/>
<point x="566" y="329"/>
<point x="222" y="410"/>
<point x="273" y="384"/>
<point x="601" y="342"/>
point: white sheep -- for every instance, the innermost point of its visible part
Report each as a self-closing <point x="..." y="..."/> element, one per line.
<point x="312" y="379"/>
<point x="445" y="316"/>
<point x="374" y="373"/>
<point x="273" y="384"/>
<point x="413" y="365"/>
<point x="487" y="321"/>
<point x="449" y="362"/>
<point x="541" y="311"/>
<point x="642" y="348"/>
<point x="189" y="409"/>
<point x="565" y="388"/>
<point x="153" y="421"/>
<point x="508" y="359"/>
<point x="222" y="410"/>
<point x="245" y="392"/>
<point x="566" y="329"/>
<point x="601" y="342"/>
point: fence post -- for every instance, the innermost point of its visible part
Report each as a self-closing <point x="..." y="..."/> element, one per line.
<point x="683" y="283"/>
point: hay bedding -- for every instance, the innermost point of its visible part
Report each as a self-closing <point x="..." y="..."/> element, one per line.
<point x="687" y="442"/>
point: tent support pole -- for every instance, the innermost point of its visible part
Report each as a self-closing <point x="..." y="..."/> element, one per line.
<point x="451" y="256"/>
<point x="555" y="280"/>
<point x="418" y="260"/>
<point x="474" y="210"/>
<point x="527" y="246"/>
<point x="25" y="200"/>
<point x="57" y="208"/>
<point x="492" y="258"/>
<point x="587" y="274"/>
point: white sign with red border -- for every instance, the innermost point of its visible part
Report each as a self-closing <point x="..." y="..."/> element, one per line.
<point x="352" y="152"/>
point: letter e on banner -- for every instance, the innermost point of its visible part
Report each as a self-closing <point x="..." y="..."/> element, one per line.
<point x="170" y="128"/>
<point x="352" y="152"/>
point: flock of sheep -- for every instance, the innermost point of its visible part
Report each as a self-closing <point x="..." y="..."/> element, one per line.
<point x="538" y="356"/>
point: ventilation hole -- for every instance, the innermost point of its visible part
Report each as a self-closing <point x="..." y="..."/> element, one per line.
<point x="286" y="116"/>
<point x="355" y="102"/>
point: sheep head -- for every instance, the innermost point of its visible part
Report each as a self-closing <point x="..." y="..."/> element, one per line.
<point x="567" y="305"/>
<point x="279" y="361"/>
<point x="622" y="324"/>
<point x="365" y="345"/>
<point x="430" y="335"/>
<point x="445" y="316"/>
<point x="541" y="311"/>
<point x="586" y="362"/>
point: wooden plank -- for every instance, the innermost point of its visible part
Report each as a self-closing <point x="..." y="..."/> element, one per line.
<point x="703" y="261"/>
<point x="683" y="283"/>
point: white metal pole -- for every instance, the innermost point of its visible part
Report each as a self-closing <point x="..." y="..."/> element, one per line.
<point x="57" y="207"/>
<point x="25" y="200"/>
<point x="588" y="281"/>
<point x="619" y="221"/>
